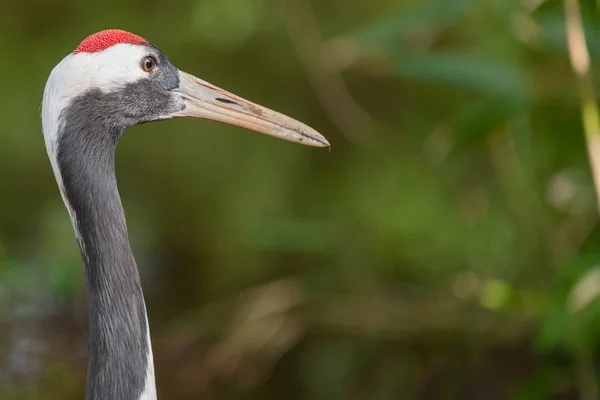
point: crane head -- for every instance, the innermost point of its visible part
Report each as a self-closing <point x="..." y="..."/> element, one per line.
<point x="118" y="79"/>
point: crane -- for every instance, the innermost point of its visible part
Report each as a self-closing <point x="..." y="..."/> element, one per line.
<point x="113" y="80"/>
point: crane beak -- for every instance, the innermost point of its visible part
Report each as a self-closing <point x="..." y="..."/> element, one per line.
<point x="205" y="101"/>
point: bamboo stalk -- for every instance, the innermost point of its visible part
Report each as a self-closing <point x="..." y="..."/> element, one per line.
<point x="580" y="62"/>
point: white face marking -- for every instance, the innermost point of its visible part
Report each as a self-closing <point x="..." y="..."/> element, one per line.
<point x="107" y="70"/>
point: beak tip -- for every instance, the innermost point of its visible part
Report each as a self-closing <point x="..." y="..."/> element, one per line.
<point x="317" y="141"/>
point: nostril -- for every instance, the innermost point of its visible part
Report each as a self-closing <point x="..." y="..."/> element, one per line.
<point x="227" y="101"/>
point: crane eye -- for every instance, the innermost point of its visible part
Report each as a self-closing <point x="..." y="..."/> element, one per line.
<point x="148" y="63"/>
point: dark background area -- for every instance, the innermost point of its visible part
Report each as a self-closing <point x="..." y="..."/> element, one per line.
<point x="445" y="248"/>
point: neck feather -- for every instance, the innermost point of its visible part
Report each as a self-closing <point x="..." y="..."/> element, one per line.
<point x="120" y="361"/>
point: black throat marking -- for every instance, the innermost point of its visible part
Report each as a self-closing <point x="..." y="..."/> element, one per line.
<point x="90" y="128"/>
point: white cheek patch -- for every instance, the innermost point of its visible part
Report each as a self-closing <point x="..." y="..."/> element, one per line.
<point x="107" y="70"/>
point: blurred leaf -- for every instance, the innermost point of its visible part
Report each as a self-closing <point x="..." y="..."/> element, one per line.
<point x="552" y="33"/>
<point x="464" y="72"/>
<point x="563" y="326"/>
<point x="554" y="330"/>
<point x="433" y="15"/>
<point x="495" y="294"/>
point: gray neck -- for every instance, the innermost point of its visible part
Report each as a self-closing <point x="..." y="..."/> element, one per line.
<point x="120" y="356"/>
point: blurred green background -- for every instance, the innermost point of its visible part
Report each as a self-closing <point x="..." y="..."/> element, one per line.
<point x="446" y="247"/>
